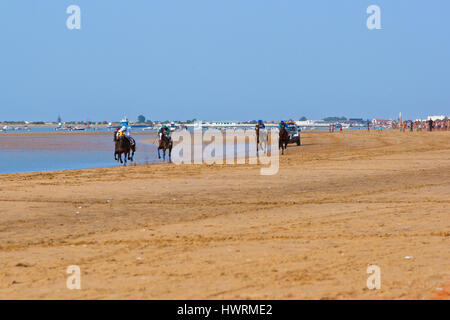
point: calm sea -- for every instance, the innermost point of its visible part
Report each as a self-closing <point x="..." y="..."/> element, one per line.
<point x="61" y="152"/>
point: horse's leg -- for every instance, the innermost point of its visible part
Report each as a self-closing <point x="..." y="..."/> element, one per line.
<point x="129" y="152"/>
<point x="133" y="150"/>
<point x="170" y="154"/>
<point x="164" y="154"/>
<point x="159" y="155"/>
<point x="120" y="157"/>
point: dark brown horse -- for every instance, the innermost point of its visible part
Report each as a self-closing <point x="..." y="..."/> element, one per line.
<point x="283" y="138"/>
<point x="165" y="143"/>
<point x="125" y="146"/>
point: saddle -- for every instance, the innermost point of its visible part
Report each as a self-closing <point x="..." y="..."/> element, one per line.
<point x="130" y="139"/>
<point x="164" y="136"/>
<point x="284" y="133"/>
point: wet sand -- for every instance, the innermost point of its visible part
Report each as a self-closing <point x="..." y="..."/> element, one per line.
<point x="339" y="203"/>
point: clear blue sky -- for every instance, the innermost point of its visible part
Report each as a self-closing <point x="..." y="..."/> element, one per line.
<point x="223" y="59"/>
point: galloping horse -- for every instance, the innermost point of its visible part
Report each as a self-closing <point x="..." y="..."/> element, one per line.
<point x="283" y="138"/>
<point x="123" y="146"/>
<point x="165" y="143"/>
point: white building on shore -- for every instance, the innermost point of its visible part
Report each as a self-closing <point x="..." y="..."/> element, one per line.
<point x="434" y="118"/>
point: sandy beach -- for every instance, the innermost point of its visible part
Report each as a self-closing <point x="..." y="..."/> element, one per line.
<point x="339" y="203"/>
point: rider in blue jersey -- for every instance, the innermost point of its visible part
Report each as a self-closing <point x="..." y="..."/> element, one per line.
<point x="260" y="125"/>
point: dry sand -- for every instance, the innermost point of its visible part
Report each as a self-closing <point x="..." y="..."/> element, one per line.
<point x="339" y="203"/>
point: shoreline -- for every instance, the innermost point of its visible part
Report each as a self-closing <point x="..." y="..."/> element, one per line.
<point x="149" y="142"/>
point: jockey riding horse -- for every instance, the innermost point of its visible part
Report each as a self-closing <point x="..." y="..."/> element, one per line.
<point x="165" y="142"/>
<point x="126" y="131"/>
<point x="124" y="143"/>
<point x="283" y="136"/>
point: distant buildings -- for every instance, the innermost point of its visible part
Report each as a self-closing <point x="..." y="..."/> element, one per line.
<point x="436" y="118"/>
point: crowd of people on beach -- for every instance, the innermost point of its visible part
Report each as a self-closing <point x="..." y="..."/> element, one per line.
<point x="428" y="125"/>
<point x="408" y="125"/>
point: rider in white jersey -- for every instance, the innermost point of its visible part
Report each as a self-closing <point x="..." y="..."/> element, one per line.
<point x="126" y="130"/>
